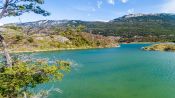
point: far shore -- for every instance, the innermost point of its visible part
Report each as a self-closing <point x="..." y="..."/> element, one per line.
<point x="140" y="43"/>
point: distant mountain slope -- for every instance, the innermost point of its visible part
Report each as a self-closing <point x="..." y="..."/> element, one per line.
<point x="128" y="26"/>
<point x="163" y="17"/>
<point x="139" y="24"/>
<point x="47" y="23"/>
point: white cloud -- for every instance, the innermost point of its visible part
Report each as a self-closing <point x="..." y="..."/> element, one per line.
<point x="168" y="7"/>
<point x="124" y="1"/>
<point x="111" y="2"/>
<point x="1" y="24"/>
<point x="130" y="11"/>
<point x="99" y="3"/>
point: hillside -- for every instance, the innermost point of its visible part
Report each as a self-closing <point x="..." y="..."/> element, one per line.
<point x="20" y="40"/>
<point x="131" y="28"/>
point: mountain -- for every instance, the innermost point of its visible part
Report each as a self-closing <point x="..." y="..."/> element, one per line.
<point x="163" y="17"/>
<point x="161" y="26"/>
<point x="46" y="23"/>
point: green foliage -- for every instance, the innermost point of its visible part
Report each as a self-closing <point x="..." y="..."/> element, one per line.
<point x="17" y="28"/>
<point x="161" y="47"/>
<point x="54" y="39"/>
<point x="18" y="7"/>
<point x="80" y="28"/>
<point x="76" y="38"/>
<point x="30" y="40"/>
<point x="98" y="43"/>
<point x="23" y="75"/>
<point x="150" y="27"/>
<point x="19" y="37"/>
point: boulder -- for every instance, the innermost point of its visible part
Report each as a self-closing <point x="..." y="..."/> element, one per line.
<point x="62" y="39"/>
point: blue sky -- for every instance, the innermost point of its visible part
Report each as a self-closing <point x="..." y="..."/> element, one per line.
<point x="95" y="10"/>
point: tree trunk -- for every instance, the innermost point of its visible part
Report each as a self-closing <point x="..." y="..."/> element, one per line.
<point x="25" y="96"/>
<point x="6" y="53"/>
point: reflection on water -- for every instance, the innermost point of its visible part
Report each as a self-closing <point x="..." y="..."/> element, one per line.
<point x="125" y="72"/>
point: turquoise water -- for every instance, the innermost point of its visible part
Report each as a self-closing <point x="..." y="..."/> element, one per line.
<point x="125" y="72"/>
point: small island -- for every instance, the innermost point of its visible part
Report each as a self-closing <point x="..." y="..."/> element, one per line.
<point x="161" y="47"/>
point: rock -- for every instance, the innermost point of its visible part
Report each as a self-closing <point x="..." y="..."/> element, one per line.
<point x="39" y="38"/>
<point x="62" y="39"/>
<point x="2" y="29"/>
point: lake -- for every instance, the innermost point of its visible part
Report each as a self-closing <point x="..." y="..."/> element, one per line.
<point x="125" y="72"/>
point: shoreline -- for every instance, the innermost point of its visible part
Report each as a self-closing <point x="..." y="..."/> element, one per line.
<point x="80" y="48"/>
<point x="62" y="49"/>
<point x="141" y="43"/>
<point x="161" y="47"/>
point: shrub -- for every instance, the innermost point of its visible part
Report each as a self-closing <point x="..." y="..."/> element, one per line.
<point x="24" y="75"/>
<point x="30" y="40"/>
<point x="14" y="27"/>
<point x="19" y="37"/>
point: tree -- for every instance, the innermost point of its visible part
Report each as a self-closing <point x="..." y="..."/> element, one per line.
<point x="17" y="76"/>
<point x="23" y="75"/>
<point x="80" y="28"/>
<point x="17" y="8"/>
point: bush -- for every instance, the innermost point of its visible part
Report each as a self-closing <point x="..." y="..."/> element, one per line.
<point x="24" y="75"/>
<point x="55" y="44"/>
<point x="30" y="40"/>
<point x="19" y="37"/>
<point x="14" y="27"/>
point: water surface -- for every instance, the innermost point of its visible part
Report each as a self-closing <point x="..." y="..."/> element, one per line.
<point x="125" y="72"/>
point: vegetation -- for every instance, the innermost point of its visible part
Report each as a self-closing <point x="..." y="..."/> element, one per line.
<point x="16" y="81"/>
<point x="161" y="47"/>
<point x="145" y="25"/>
<point x="17" y="76"/>
<point x="54" y="39"/>
<point x="130" y="28"/>
<point x="17" y="8"/>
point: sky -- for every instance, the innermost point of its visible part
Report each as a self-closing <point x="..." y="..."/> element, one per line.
<point x="94" y="10"/>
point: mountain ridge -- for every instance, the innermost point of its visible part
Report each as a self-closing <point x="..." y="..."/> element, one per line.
<point x="122" y="17"/>
<point x="127" y="26"/>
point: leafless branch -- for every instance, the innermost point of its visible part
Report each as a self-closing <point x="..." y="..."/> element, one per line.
<point x="4" y="8"/>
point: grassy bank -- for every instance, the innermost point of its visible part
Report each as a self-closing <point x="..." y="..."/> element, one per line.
<point x="161" y="47"/>
<point x="59" y="49"/>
